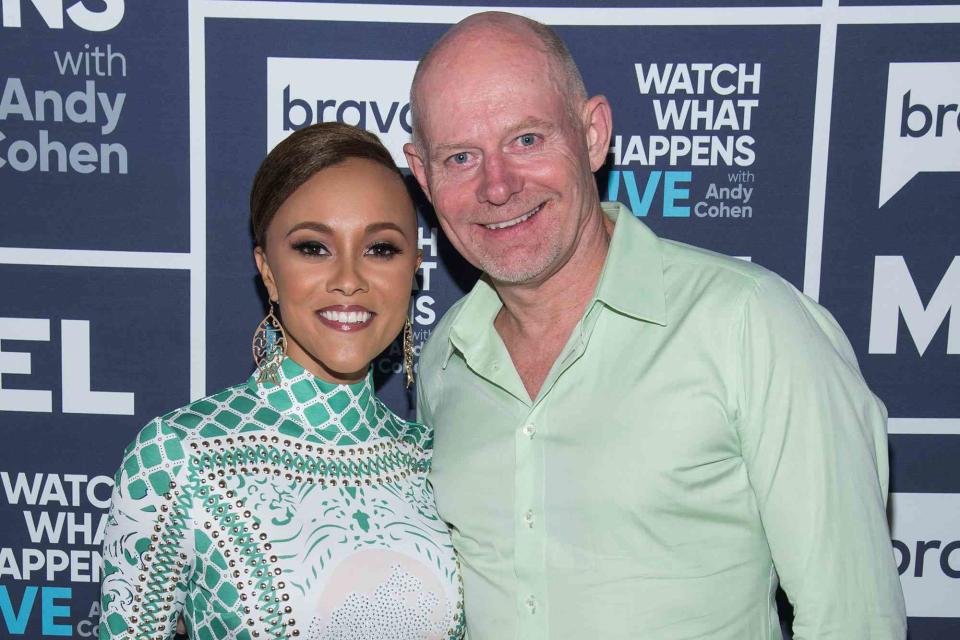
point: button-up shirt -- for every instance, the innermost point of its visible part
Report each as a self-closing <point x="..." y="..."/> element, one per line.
<point x="704" y="434"/>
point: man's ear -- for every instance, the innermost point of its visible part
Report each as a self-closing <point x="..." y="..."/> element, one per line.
<point x="418" y="168"/>
<point x="598" y="127"/>
<point x="265" y="273"/>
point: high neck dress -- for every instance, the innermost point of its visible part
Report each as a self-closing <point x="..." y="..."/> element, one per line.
<point x="291" y="510"/>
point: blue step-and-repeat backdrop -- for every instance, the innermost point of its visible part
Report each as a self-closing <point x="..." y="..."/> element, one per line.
<point x="819" y="139"/>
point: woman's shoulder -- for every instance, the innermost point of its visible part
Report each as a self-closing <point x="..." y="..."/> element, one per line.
<point x="161" y="443"/>
<point x="418" y="434"/>
<point x="408" y="431"/>
<point x="219" y="414"/>
<point x="210" y="415"/>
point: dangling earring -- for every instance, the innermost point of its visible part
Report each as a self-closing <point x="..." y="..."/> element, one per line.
<point x="408" y="331"/>
<point x="269" y="348"/>
<point x="408" y="351"/>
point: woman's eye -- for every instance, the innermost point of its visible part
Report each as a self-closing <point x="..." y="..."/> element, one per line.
<point x="383" y="250"/>
<point x="310" y="248"/>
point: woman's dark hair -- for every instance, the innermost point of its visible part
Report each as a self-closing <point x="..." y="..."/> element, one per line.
<point x="301" y="155"/>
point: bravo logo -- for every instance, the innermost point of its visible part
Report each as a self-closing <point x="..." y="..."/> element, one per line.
<point x="77" y="397"/>
<point x="921" y="130"/>
<point x="895" y="294"/>
<point x="372" y="94"/>
<point x="103" y="16"/>
<point x="927" y="552"/>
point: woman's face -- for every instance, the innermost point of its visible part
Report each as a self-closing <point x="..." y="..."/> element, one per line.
<point x="339" y="256"/>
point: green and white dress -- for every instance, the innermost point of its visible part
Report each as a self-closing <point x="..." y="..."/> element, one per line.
<point x="298" y="510"/>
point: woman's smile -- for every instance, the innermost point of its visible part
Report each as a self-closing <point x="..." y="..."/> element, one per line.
<point x="346" y="318"/>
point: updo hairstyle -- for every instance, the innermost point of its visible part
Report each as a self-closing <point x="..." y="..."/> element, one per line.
<point x="301" y="155"/>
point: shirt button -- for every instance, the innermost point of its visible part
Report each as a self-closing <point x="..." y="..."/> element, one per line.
<point x="531" y="604"/>
<point x="529" y="429"/>
<point x="528" y="518"/>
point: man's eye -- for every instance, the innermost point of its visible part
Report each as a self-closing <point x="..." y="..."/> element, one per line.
<point x="527" y="140"/>
<point x="383" y="250"/>
<point x="310" y="248"/>
<point x="459" y="158"/>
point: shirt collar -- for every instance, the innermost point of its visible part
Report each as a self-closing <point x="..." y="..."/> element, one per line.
<point x="632" y="278"/>
<point x="631" y="283"/>
<point x="470" y="331"/>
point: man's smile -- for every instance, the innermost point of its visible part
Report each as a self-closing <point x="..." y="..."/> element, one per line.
<point x="515" y="221"/>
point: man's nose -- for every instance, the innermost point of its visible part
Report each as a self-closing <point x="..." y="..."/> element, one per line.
<point x="347" y="278"/>
<point x="499" y="181"/>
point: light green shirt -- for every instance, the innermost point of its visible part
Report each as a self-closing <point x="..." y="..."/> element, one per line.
<point x="705" y="431"/>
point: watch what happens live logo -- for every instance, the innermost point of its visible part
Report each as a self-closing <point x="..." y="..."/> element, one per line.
<point x="704" y="113"/>
<point x="101" y="15"/>
<point x="64" y="516"/>
<point x="65" y="120"/>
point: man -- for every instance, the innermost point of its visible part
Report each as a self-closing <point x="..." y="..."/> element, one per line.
<point x="634" y="438"/>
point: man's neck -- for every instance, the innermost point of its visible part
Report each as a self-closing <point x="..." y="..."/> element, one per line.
<point x="561" y="297"/>
<point x="537" y="319"/>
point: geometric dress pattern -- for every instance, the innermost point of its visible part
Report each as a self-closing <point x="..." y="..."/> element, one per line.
<point x="291" y="510"/>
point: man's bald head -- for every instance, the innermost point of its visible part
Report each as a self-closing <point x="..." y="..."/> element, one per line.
<point x="504" y="28"/>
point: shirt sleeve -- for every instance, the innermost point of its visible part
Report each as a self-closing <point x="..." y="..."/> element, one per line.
<point x="814" y="440"/>
<point x="145" y="554"/>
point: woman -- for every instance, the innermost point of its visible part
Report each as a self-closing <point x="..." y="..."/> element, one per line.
<point x="296" y="505"/>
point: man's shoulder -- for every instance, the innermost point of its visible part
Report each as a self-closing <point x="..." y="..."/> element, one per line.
<point x="699" y="280"/>
<point x="642" y="251"/>
<point x="720" y="286"/>
<point x="692" y="260"/>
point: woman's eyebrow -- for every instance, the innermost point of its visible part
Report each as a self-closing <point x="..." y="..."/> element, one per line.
<point x="381" y="226"/>
<point x="315" y="226"/>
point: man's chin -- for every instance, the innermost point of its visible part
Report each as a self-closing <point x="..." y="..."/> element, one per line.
<point x="514" y="274"/>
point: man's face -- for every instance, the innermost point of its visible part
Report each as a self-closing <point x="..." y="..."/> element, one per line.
<point x="504" y="164"/>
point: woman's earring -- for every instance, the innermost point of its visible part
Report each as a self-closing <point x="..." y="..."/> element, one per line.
<point x="408" y="351"/>
<point x="408" y="331"/>
<point x="269" y="348"/>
